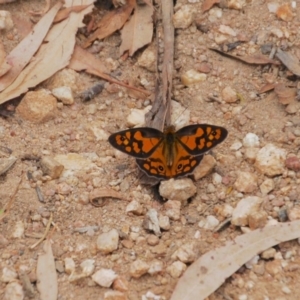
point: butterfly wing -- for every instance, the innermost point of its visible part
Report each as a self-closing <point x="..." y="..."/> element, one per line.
<point x="157" y="164"/>
<point x="137" y="142"/>
<point x="200" y="138"/>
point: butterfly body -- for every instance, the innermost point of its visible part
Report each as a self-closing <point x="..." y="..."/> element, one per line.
<point x="171" y="153"/>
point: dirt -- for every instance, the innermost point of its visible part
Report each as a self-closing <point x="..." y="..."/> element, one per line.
<point x="70" y="132"/>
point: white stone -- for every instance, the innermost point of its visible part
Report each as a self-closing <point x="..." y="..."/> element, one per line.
<point x="236" y="4"/>
<point x="8" y="274"/>
<point x="270" y="160"/>
<point x="244" y="208"/>
<point x="205" y="167"/>
<point x="6" y="22"/>
<point x="246" y="182"/>
<point x="134" y="207"/>
<point x="251" y="140"/>
<point x="172" y="208"/>
<point x="107" y="242"/>
<point x="186" y="253"/>
<point x="69" y="265"/>
<point x="138" y="268"/>
<point x="164" y="222"/>
<point x="156" y="266"/>
<point x="88" y="267"/>
<point x="267" y="186"/>
<point x="216" y="178"/>
<point x="137" y="116"/>
<point x="180" y="189"/>
<point x="148" y="59"/>
<point x="13" y="291"/>
<point x="229" y="95"/>
<point x="19" y="230"/>
<point x="104" y="277"/>
<point x="183" y="18"/>
<point x="176" y="269"/>
<point x="211" y="222"/>
<point x="64" y="94"/>
<point x="236" y="146"/>
<point x="151" y="221"/>
<point x="227" y="30"/>
<point x="98" y="133"/>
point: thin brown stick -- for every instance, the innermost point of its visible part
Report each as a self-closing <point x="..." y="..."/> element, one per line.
<point x="45" y="233"/>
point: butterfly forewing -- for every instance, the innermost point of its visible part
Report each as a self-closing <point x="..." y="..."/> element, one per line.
<point x="137" y="142"/>
<point x="200" y="138"/>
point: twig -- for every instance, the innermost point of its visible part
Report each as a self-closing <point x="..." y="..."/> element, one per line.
<point x="45" y="233"/>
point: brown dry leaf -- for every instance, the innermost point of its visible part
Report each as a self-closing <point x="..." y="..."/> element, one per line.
<point x="46" y="274"/>
<point x="207" y="273"/>
<point x="52" y="56"/>
<point x="83" y="60"/>
<point x="267" y="87"/>
<point x="285" y="95"/>
<point x="64" y="13"/>
<point x="19" y="57"/>
<point x="138" y="31"/>
<point x="258" y="59"/>
<point x="208" y="4"/>
<point x="111" y="22"/>
<point x="98" y="196"/>
<point x="289" y="60"/>
<point x="4" y="65"/>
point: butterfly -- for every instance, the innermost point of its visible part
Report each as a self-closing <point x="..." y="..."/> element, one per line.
<point x="168" y="154"/>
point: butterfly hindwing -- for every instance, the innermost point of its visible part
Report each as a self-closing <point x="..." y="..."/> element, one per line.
<point x="137" y="142"/>
<point x="200" y="138"/>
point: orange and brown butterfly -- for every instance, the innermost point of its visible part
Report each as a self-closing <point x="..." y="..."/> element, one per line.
<point x="168" y="154"/>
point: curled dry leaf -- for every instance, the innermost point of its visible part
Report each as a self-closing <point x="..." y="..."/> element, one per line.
<point x="285" y="94"/>
<point x="19" y="57"/>
<point x="257" y="59"/>
<point x="111" y="22"/>
<point x="207" y="273"/>
<point x="289" y="60"/>
<point x="267" y="87"/>
<point x="208" y="4"/>
<point x="58" y="50"/>
<point x="98" y="196"/>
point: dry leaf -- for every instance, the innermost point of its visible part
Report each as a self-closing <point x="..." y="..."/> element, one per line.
<point x="208" y="4"/>
<point x="4" y="65"/>
<point x="267" y="87"/>
<point x="46" y="274"/>
<point x="64" y="13"/>
<point x="52" y="56"/>
<point x="289" y="60"/>
<point x="258" y="59"/>
<point x="83" y="60"/>
<point x="19" y="57"/>
<point x="207" y="273"/>
<point x="285" y="94"/>
<point x="111" y="22"/>
<point x="138" y="31"/>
